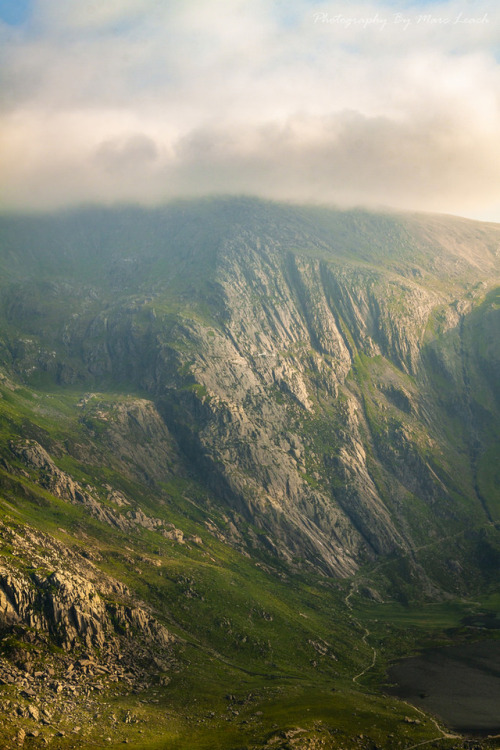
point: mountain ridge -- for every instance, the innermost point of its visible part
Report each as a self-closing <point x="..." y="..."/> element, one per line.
<point x="328" y="309"/>
<point x="309" y="392"/>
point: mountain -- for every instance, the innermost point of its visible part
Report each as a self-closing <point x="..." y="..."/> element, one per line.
<point x="231" y="433"/>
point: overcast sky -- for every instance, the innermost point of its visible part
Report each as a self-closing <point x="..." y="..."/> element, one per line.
<point x="351" y="103"/>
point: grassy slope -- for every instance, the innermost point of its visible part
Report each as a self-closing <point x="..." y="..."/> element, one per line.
<point x="246" y="632"/>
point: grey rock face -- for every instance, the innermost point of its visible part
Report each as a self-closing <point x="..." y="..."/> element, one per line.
<point x="294" y="360"/>
<point x="62" y="485"/>
<point x="75" y="604"/>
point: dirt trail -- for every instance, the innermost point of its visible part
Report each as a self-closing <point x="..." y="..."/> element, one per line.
<point x="364" y="638"/>
<point x="443" y="734"/>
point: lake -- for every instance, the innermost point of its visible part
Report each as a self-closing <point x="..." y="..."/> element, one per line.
<point x="459" y="684"/>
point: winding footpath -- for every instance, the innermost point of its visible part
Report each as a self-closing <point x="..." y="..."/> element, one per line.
<point x="364" y="638"/>
<point x="443" y="734"/>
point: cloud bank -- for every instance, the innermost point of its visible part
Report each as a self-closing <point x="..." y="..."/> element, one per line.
<point x="348" y="103"/>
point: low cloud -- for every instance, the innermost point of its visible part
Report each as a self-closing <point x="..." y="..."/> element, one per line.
<point x="128" y="154"/>
<point x="144" y="101"/>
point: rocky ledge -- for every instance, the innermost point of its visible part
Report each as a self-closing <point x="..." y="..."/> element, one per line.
<point x="69" y="635"/>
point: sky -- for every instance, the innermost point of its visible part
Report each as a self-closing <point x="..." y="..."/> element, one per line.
<point x="379" y="104"/>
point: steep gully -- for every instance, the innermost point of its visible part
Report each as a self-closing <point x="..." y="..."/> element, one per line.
<point x="474" y="442"/>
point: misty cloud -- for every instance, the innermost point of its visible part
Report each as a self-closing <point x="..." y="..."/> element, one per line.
<point x="127" y="154"/>
<point x="347" y="158"/>
<point x="142" y="101"/>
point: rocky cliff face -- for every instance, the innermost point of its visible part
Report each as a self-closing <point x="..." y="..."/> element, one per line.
<point x="69" y="632"/>
<point x="116" y="510"/>
<point x="60" y="594"/>
<point x="296" y="358"/>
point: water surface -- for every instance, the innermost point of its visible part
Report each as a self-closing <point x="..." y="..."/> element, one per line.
<point x="459" y="684"/>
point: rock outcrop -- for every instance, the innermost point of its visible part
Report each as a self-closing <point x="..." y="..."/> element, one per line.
<point x="62" y="485"/>
<point x="57" y="591"/>
<point x="51" y="595"/>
